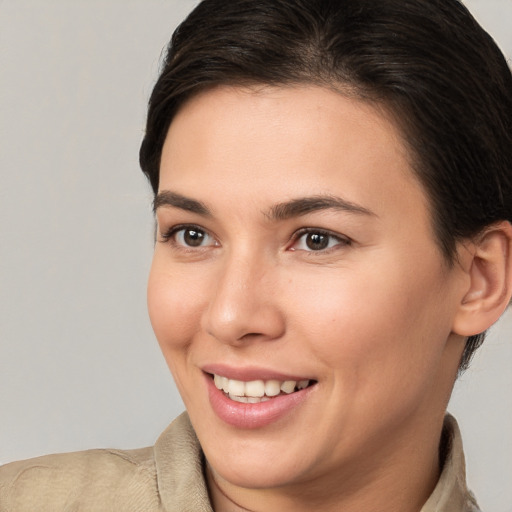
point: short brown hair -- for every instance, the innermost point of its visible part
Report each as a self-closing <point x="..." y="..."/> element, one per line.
<point x="428" y="62"/>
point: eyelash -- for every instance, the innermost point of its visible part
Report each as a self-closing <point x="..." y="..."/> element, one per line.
<point x="169" y="237"/>
<point x="340" y="240"/>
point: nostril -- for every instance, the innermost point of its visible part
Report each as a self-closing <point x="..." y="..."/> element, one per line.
<point x="251" y="335"/>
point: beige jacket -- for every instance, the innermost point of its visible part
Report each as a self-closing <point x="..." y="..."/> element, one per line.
<point x="165" y="478"/>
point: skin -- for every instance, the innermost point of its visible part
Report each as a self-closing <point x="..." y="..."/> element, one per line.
<point x="370" y="318"/>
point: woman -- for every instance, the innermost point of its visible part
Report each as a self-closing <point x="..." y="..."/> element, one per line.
<point x="333" y="197"/>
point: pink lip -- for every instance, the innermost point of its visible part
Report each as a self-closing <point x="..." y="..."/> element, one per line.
<point x="252" y="416"/>
<point x="249" y="373"/>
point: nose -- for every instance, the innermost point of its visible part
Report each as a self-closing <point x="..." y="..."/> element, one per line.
<point x="244" y="303"/>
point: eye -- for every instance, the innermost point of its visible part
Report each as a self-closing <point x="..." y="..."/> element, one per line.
<point x="189" y="236"/>
<point x="317" y="240"/>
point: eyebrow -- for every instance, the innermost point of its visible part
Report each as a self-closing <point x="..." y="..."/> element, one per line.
<point x="304" y="205"/>
<point x="168" y="198"/>
<point x="280" y="211"/>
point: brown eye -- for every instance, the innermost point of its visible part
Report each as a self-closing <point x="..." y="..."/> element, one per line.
<point x="316" y="241"/>
<point x="192" y="237"/>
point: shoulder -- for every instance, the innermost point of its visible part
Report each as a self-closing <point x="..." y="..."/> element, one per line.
<point x="90" y="480"/>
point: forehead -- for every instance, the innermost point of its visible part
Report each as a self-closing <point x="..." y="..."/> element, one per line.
<point x="254" y="144"/>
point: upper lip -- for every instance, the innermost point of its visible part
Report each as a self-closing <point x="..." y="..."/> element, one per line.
<point x="249" y="373"/>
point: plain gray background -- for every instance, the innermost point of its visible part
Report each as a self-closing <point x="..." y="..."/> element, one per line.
<point x="79" y="366"/>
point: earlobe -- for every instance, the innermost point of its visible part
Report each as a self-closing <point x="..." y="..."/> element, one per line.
<point x="490" y="281"/>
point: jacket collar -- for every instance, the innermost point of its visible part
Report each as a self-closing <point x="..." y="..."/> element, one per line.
<point x="179" y="466"/>
<point x="451" y="493"/>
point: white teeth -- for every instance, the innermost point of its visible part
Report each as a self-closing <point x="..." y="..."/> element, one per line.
<point x="238" y="398"/>
<point x="256" y="391"/>
<point x="303" y="384"/>
<point x="217" y="379"/>
<point x="255" y="388"/>
<point x="288" y="386"/>
<point x="236" y="387"/>
<point x="272" y="387"/>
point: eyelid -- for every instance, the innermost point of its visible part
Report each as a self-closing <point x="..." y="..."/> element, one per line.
<point x="343" y="240"/>
<point x="169" y="234"/>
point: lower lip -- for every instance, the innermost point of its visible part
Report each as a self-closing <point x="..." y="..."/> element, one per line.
<point x="251" y="416"/>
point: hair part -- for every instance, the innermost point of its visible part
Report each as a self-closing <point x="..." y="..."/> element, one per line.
<point x="427" y="62"/>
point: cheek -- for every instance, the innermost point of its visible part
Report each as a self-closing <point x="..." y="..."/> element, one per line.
<point x="384" y="320"/>
<point x="380" y="342"/>
<point x="174" y="307"/>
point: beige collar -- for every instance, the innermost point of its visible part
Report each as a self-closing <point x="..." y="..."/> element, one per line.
<point x="451" y="493"/>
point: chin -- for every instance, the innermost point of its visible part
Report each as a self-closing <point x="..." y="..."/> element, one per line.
<point x="243" y="471"/>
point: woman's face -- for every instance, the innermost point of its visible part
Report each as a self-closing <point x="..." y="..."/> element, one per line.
<point x="295" y="245"/>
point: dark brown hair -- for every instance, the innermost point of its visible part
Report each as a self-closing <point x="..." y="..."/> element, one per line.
<point x="428" y="62"/>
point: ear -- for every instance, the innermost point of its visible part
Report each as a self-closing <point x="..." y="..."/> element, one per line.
<point x="489" y="272"/>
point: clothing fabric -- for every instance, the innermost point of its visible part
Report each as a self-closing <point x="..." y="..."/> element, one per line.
<point x="168" y="477"/>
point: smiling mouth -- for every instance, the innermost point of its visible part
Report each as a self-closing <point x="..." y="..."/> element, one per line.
<point x="256" y="391"/>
